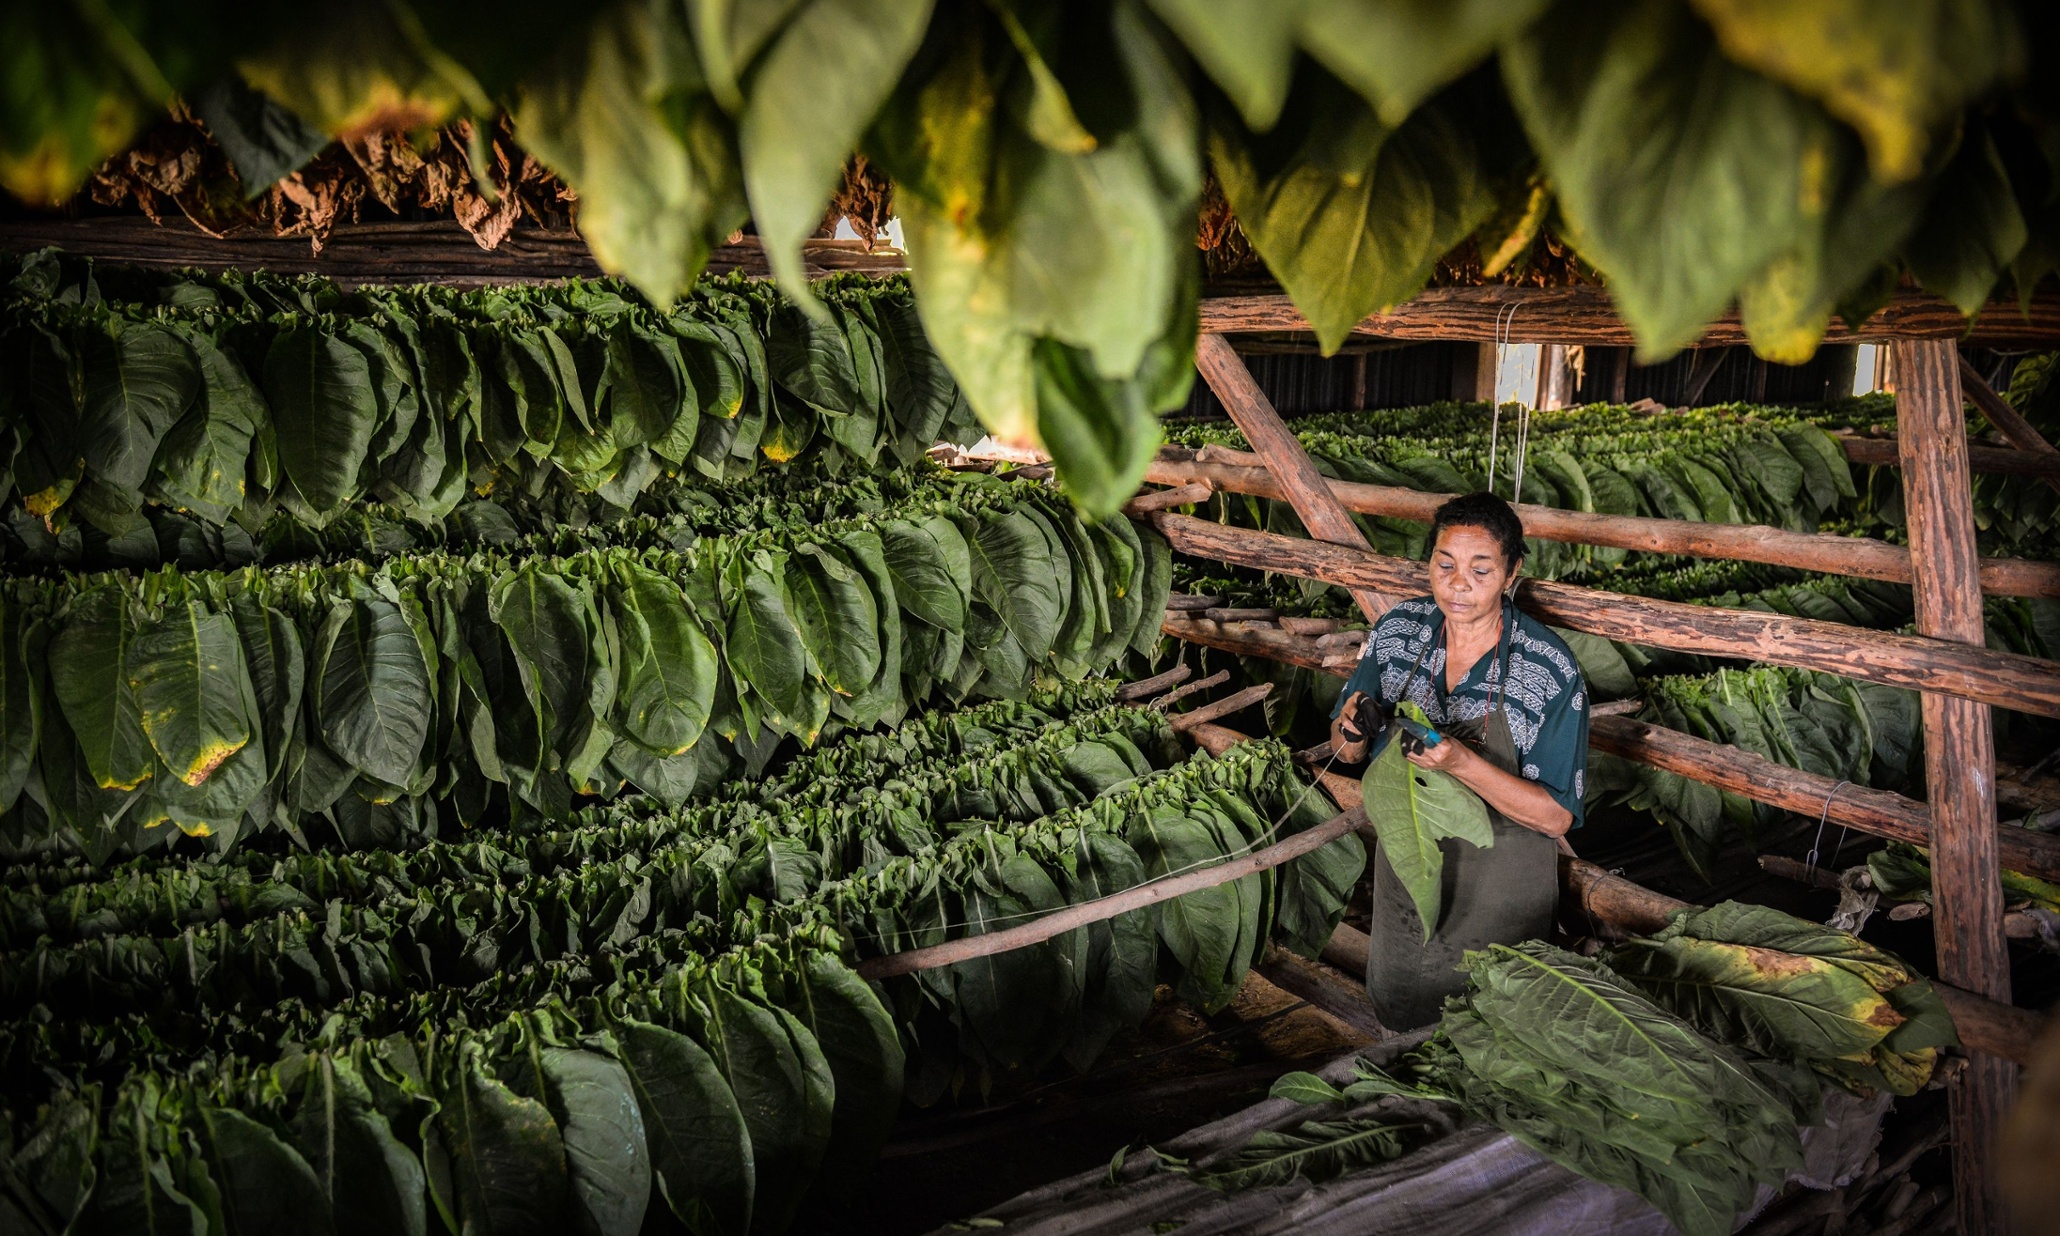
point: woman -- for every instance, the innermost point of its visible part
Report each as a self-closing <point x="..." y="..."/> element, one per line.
<point x="1505" y="687"/>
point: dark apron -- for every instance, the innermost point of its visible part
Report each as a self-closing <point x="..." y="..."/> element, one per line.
<point x="1499" y="895"/>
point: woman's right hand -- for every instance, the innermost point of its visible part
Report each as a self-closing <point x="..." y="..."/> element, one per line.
<point x="1347" y="744"/>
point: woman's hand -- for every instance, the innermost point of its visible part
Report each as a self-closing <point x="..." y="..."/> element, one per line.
<point x="1344" y="746"/>
<point x="1448" y="756"/>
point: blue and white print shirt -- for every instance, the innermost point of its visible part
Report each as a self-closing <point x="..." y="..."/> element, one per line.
<point x="1547" y="700"/>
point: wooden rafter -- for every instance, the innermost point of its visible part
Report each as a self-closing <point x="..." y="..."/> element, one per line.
<point x="1281" y="451"/>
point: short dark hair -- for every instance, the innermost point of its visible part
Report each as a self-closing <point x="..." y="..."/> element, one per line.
<point x="1488" y="513"/>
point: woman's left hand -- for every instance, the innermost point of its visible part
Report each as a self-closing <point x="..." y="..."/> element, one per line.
<point x="1446" y="756"/>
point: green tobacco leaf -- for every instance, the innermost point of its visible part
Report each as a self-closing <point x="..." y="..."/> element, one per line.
<point x="73" y="99"/>
<point x="358" y="69"/>
<point x="88" y="672"/>
<point x="1777" y="1004"/>
<point x="1199" y="928"/>
<point x="1101" y="434"/>
<point x="373" y="1183"/>
<point x="668" y="666"/>
<point x="837" y="617"/>
<point x="607" y="1156"/>
<point x="545" y="621"/>
<point x="1011" y="240"/>
<point x="139" y="381"/>
<point x="264" y="142"/>
<point x="1413" y="809"/>
<point x="372" y="689"/>
<point x="137" y="1190"/>
<point x="763" y="646"/>
<point x="1351" y="215"/>
<point x="507" y="1161"/>
<point x="1397" y="55"/>
<point x="863" y="1048"/>
<point x="20" y="708"/>
<point x="1305" y="1088"/>
<point x="320" y="391"/>
<point x="1316" y="1151"/>
<point x="700" y="1147"/>
<point x="1972" y="229"/>
<point x="923" y="582"/>
<point x="1898" y="74"/>
<point x="201" y="463"/>
<point x="189" y="680"/>
<point x="623" y="116"/>
<point x="265" y="1185"/>
<point x="811" y="97"/>
<point x="1680" y="174"/>
<point x="1014" y="576"/>
<point x="1246" y="46"/>
<point x="768" y="1073"/>
<point x="1859" y="226"/>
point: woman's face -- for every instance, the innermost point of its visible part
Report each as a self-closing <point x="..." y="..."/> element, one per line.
<point x="1468" y="574"/>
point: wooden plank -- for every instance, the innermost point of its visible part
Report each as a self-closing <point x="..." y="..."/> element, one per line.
<point x="2007" y="680"/>
<point x="1058" y="922"/>
<point x="1585" y="315"/>
<point x="1959" y="753"/>
<point x="2014" y="428"/>
<point x="1884" y="452"/>
<point x="357" y="254"/>
<point x="1282" y="452"/>
<point x="1807" y="551"/>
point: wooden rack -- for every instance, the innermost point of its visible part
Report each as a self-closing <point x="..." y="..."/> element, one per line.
<point x="1960" y="678"/>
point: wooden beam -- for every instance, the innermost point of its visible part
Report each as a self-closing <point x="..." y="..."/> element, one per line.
<point x="2007" y="680"/>
<point x="1145" y="688"/>
<point x="1323" y="988"/>
<point x="1884" y="452"/>
<point x="1235" y="702"/>
<point x="1878" y="813"/>
<point x="2014" y="428"/>
<point x="1282" y="452"/>
<point x="1959" y="753"/>
<point x="357" y="254"/>
<point x="1584" y="314"/>
<point x="1806" y="551"/>
<point x="1137" y="897"/>
<point x="1166" y="499"/>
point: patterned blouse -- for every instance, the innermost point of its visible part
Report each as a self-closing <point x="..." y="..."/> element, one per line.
<point x="1547" y="700"/>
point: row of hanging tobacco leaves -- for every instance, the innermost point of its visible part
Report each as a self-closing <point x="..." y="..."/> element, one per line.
<point x="536" y="1031"/>
<point x="1048" y="159"/>
<point x="222" y="402"/>
<point x="367" y="700"/>
<point x="1732" y="463"/>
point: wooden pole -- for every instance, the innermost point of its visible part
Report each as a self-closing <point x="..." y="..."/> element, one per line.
<point x="1282" y="451"/>
<point x="1807" y="551"/>
<point x="1959" y="753"/>
<point x="2007" y="680"/>
<point x="2001" y="461"/>
<point x="2014" y="428"/>
<point x="1058" y="922"/>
